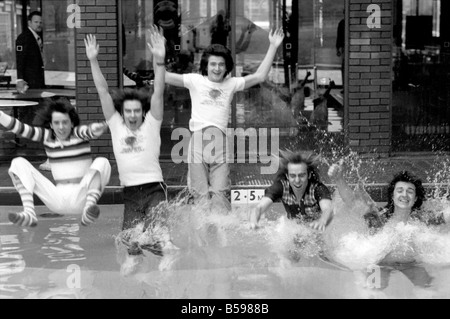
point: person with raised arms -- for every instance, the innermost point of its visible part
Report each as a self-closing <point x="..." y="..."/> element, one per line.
<point x="211" y="93"/>
<point x="135" y="124"/>
<point x="79" y="181"/>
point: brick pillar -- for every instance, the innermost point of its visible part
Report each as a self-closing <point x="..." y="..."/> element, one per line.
<point x="98" y="17"/>
<point x="369" y="93"/>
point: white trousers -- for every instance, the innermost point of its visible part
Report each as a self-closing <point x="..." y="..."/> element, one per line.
<point x="64" y="199"/>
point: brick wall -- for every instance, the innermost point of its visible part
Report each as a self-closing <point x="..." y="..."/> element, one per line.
<point x="98" y="17"/>
<point x="369" y="78"/>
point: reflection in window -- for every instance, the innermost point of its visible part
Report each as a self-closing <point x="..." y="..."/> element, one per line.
<point x="190" y="26"/>
<point x="58" y="38"/>
<point x="421" y="119"/>
<point x="427" y="12"/>
<point x="10" y="14"/>
<point x="138" y="16"/>
<point x="59" y="44"/>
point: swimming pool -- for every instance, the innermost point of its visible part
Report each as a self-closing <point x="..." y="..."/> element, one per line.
<point x="61" y="259"/>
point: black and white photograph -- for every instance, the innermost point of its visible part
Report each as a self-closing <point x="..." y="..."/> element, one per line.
<point x="225" y="157"/>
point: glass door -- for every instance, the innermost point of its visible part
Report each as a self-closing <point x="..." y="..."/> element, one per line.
<point x="59" y="44"/>
<point x="253" y="23"/>
<point x="190" y="26"/>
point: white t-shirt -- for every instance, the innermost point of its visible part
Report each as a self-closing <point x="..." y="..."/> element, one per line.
<point x="211" y="101"/>
<point x="137" y="153"/>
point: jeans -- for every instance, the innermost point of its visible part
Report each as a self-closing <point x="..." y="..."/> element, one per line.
<point x="209" y="172"/>
<point x="139" y="202"/>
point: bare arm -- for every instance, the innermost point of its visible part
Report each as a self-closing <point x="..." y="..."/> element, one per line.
<point x="92" y="51"/>
<point x="336" y="173"/>
<point x="261" y="207"/>
<point x="327" y="214"/>
<point x="174" y="79"/>
<point x="157" y="46"/>
<point x="276" y="38"/>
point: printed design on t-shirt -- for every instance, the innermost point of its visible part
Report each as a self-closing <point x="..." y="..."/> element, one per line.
<point x="132" y="144"/>
<point x="215" y="94"/>
<point x="214" y="97"/>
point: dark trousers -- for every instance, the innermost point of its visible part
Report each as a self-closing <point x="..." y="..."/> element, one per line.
<point x="139" y="202"/>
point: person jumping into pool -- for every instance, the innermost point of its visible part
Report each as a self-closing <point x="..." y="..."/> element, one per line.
<point x="406" y="195"/>
<point x="298" y="187"/>
<point x="212" y="92"/>
<point x="80" y="181"/>
<point x="135" y="123"/>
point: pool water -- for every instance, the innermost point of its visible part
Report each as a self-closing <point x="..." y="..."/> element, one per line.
<point x="224" y="259"/>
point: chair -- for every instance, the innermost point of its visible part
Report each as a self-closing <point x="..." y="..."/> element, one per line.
<point x="3" y="76"/>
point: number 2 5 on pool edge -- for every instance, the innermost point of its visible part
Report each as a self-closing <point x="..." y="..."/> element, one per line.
<point x="246" y="196"/>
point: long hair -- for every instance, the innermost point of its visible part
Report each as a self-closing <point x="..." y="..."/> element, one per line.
<point x="309" y="158"/>
<point x="216" y="50"/>
<point x="43" y="117"/>
<point x="407" y="177"/>
<point x="141" y="95"/>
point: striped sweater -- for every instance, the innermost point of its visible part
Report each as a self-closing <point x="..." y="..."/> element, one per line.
<point x="69" y="159"/>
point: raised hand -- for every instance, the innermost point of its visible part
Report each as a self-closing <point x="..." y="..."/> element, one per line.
<point x="98" y="128"/>
<point x="92" y="48"/>
<point x="276" y="37"/>
<point x="22" y="87"/>
<point x="157" y="44"/>
<point x="336" y="171"/>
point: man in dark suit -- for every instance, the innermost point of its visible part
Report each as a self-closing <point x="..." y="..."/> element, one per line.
<point x="29" y="55"/>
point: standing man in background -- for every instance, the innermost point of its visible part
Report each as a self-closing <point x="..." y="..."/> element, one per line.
<point x="30" y="60"/>
<point x="29" y="55"/>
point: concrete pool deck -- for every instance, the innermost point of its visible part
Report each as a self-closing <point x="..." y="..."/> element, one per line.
<point x="248" y="176"/>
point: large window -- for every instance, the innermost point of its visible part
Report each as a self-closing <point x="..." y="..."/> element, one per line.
<point x="421" y="101"/>
<point x="192" y="25"/>
<point x="58" y="38"/>
<point x="58" y="55"/>
<point x="10" y="27"/>
<point x="59" y="44"/>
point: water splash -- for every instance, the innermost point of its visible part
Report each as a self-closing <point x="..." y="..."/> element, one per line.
<point x="439" y="176"/>
<point x="350" y="242"/>
<point x="203" y="237"/>
<point x="292" y="241"/>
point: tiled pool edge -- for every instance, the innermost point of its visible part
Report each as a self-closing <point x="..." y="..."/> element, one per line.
<point x="113" y="194"/>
